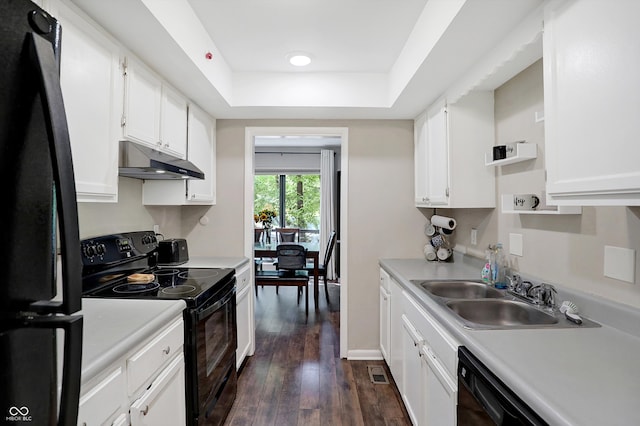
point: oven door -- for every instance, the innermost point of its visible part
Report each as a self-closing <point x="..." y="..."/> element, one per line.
<point x="215" y="347"/>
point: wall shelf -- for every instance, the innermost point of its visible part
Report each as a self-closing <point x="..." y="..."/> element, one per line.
<point x="507" y="207"/>
<point x="524" y="151"/>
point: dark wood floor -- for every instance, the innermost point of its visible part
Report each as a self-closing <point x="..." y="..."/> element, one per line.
<point x="296" y="376"/>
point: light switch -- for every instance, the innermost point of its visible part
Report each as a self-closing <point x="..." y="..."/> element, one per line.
<point x="515" y="244"/>
<point x="620" y="263"/>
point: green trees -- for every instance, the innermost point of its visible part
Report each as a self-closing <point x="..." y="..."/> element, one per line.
<point x="301" y="199"/>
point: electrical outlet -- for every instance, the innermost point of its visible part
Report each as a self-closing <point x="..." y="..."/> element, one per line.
<point x="156" y="229"/>
<point x="474" y="237"/>
<point x="515" y="244"/>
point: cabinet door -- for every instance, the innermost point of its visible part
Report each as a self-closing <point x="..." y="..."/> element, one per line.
<point x="202" y="153"/>
<point x="385" y="311"/>
<point x="396" y="332"/>
<point x="440" y="391"/>
<point x="591" y="96"/>
<point x="437" y="157"/>
<point x="431" y="151"/>
<point x="143" y="98"/>
<point x="163" y="403"/>
<point x="411" y="390"/>
<point x="92" y="88"/>
<point x="245" y="324"/>
<point x="174" y="122"/>
<point x="420" y="161"/>
<point x="102" y="401"/>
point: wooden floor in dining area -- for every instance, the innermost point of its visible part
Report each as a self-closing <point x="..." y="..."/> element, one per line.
<point x="296" y="376"/>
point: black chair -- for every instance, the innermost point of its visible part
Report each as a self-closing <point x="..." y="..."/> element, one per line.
<point x="322" y="268"/>
<point x="257" y="237"/>
<point x="291" y="271"/>
<point x="288" y="235"/>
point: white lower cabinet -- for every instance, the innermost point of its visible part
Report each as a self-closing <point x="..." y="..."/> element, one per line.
<point x="412" y="388"/>
<point x="440" y="391"/>
<point x="395" y="322"/>
<point x="163" y="403"/>
<point x="385" y="316"/>
<point x="103" y="402"/>
<point x="244" y="314"/>
<point x="146" y="386"/>
<point x="424" y="359"/>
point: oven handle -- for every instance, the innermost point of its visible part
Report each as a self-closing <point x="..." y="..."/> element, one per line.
<point x="205" y="312"/>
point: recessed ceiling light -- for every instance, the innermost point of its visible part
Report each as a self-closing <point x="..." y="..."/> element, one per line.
<point x="299" y="59"/>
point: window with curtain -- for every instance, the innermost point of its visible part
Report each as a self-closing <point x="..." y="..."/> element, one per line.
<point x="295" y="198"/>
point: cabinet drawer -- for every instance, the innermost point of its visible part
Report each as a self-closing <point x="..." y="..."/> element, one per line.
<point x="243" y="275"/>
<point x="163" y="403"/>
<point x="442" y="344"/>
<point x="142" y="366"/>
<point x="102" y="401"/>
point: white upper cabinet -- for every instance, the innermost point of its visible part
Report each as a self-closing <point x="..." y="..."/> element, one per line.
<point x="155" y="114"/>
<point x="202" y="153"/>
<point x="173" y="131"/>
<point x="592" y="98"/>
<point x="201" y="147"/>
<point x="142" y="103"/>
<point x="450" y="141"/>
<point x="92" y="91"/>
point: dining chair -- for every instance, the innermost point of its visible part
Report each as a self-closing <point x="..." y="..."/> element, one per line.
<point x="322" y="268"/>
<point x="291" y="271"/>
<point x="288" y="235"/>
<point x="257" y="237"/>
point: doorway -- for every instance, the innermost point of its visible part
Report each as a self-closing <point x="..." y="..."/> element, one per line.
<point x="251" y="133"/>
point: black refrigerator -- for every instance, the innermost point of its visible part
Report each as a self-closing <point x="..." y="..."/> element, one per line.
<point x="39" y="222"/>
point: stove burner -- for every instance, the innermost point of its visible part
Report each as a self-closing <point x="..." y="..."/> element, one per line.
<point x="198" y="274"/>
<point x="135" y="287"/>
<point x="179" y="289"/>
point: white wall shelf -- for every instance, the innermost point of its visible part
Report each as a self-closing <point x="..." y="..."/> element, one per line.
<point x="507" y="207"/>
<point x="524" y="151"/>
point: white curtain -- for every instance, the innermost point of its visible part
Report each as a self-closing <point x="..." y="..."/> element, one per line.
<point x="327" y="205"/>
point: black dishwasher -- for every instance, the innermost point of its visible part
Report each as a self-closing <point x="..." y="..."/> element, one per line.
<point x="484" y="400"/>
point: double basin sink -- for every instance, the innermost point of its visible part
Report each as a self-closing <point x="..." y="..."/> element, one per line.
<point x="478" y="306"/>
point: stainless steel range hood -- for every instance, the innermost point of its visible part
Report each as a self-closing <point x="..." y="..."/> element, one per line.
<point x="140" y="162"/>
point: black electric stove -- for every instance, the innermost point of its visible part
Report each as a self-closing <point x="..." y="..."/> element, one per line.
<point x="110" y="260"/>
<point x="209" y="319"/>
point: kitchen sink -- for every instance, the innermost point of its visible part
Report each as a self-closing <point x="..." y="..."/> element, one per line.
<point x="500" y="313"/>
<point x="478" y="306"/>
<point x="460" y="289"/>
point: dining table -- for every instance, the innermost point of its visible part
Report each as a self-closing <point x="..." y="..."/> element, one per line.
<point x="263" y="249"/>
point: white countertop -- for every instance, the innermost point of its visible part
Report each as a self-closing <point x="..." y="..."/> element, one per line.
<point x="112" y="327"/>
<point x="577" y="376"/>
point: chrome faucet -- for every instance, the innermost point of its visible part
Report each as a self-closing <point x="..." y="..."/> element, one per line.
<point x="543" y="295"/>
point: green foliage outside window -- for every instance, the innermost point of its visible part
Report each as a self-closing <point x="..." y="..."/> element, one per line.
<point x="302" y="199"/>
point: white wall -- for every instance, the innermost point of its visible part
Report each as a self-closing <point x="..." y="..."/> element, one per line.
<point x="128" y="214"/>
<point x="382" y="222"/>
<point x="567" y="250"/>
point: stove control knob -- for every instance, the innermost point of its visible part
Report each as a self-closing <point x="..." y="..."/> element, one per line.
<point x="101" y="249"/>
<point x="90" y="251"/>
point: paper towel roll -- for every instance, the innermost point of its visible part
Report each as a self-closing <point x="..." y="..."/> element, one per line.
<point x="444" y="222"/>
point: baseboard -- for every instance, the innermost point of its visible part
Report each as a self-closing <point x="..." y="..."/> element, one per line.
<point x="364" y="354"/>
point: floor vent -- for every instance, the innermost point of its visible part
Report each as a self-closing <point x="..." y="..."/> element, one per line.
<point x="377" y="375"/>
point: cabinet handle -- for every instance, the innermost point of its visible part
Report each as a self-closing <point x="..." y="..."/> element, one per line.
<point x="145" y="411"/>
<point x="167" y="350"/>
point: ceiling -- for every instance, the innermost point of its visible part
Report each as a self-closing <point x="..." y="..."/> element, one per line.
<point x="371" y="59"/>
<point x="341" y="35"/>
